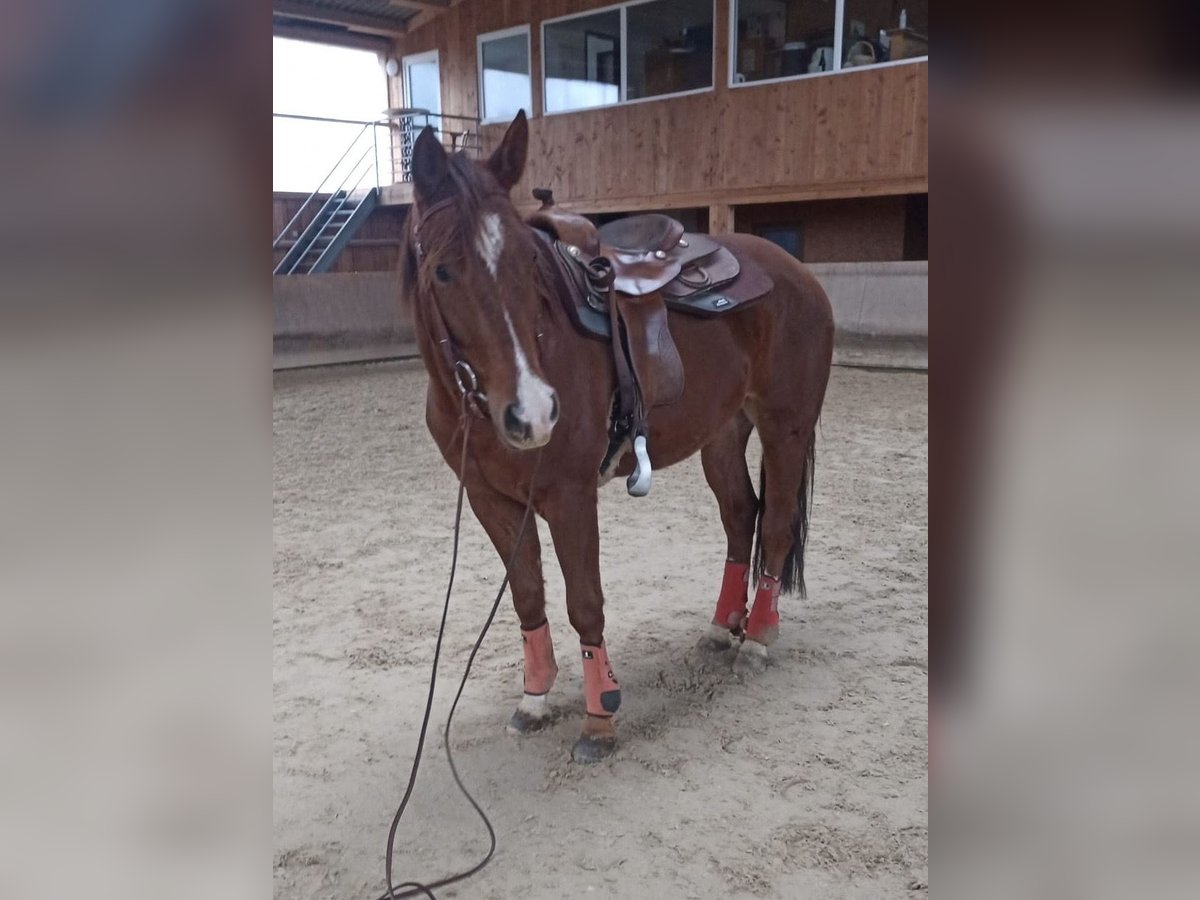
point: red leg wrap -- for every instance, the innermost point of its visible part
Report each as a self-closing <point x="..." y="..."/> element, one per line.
<point x="599" y="686"/>
<point x="763" y="625"/>
<point x="540" y="667"/>
<point x="731" y="605"/>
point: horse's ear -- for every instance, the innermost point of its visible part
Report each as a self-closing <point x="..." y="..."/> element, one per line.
<point x="429" y="166"/>
<point x="507" y="164"/>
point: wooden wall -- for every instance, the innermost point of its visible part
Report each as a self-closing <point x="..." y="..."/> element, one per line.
<point x="375" y="248"/>
<point x="858" y="133"/>
<point x="864" y="229"/>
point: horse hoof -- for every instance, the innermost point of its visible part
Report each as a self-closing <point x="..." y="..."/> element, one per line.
<point x="523" y="723"/>
<point x="588" y="750"/>
<point x="715" y="640"/>
<point x="530" y="715"/>
<point x="599" y="740"/>
<point x="751" y="658"/>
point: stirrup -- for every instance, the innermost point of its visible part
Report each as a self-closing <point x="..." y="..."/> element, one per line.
<point x="638" y="483"/>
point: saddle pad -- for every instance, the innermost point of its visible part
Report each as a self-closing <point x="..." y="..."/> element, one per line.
<point x="752" y="283"/>
<point x="565" y="279"/>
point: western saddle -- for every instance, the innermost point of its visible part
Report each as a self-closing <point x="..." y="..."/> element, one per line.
<point x="617" y="282"/>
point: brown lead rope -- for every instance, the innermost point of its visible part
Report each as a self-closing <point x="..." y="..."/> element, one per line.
<point x="416" y="888"/>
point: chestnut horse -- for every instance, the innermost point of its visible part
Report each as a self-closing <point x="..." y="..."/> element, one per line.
<point x="468" y="265"/>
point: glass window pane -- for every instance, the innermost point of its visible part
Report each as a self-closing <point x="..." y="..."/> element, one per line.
<point x="882" y="30"/>
<point x="670" y="47"/>
<point x="777" y="38"/>
<point x="506" y="87"/>
<point x="583" y="61"/>
<point x="424" y="86"/>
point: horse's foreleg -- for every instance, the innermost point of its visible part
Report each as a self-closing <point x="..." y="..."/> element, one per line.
<point x="501" y="519"/>
<point x="576" y="533"/>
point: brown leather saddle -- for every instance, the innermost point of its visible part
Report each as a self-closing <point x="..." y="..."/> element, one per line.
<point x="620" y="280"/>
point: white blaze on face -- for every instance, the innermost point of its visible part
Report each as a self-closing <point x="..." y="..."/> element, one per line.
<point x="490" y="241"/>
<point x="535" y="398"/>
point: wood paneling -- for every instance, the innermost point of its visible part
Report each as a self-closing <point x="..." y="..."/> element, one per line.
<point x="857" y="133"/>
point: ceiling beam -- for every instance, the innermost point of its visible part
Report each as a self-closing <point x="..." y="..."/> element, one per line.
<point x="317" y="32"/>
<point x="357" y="21"/>
<point x="429" y="15"/>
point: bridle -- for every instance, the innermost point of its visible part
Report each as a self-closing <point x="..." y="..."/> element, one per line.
<point x="465" y="379"/>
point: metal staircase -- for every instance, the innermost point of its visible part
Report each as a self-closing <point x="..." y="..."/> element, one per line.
<point x="335" y="223"/>
<point x="346" y="196"/>
<point x="338" y="207"/>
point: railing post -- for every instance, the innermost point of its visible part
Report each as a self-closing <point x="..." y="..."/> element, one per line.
<point x="375" y="145"/>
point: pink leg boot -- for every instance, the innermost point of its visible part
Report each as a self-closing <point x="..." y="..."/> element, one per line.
<point x="763" y="624"/>
<point x="603" y="696"/>
<point x="762" y="628"/>
<point x="731" y="607"/>
<point x="540" y="671"/>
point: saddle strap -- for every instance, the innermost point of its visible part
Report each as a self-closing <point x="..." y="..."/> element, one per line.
<point x="631" y="416"/>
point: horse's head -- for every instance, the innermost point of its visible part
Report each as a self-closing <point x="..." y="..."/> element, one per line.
<point x="474" y="258"/>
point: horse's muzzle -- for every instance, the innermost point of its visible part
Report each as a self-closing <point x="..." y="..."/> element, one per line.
<point x="526" y="429"/>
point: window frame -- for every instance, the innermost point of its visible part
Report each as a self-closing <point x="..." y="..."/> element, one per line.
<point x="498" y="35"/>
<point x="838" y="38"/>
<point x="623" y="90"/>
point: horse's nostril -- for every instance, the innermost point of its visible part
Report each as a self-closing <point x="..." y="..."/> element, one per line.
<point x="512" y="422"/>
<point x="553" y="408"/>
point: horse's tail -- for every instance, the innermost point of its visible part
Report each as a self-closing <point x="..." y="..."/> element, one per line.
<point x="791" y="579"/>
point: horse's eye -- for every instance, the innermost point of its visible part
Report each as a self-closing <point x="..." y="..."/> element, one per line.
<point x="442" y="273"/>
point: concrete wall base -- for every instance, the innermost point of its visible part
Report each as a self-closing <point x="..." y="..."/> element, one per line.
<point x="881" y="311"/>
<point x="339" y="318"/>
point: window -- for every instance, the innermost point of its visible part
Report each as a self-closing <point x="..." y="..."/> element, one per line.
<point x="876" y="31"/>
<point x="504" y="81"/>
<point x="583" y="61"/>
<point x="670" y="47"/>
<point x="319" y="80"/>
<point x="633" y="52"/>
<point x="787" y="38"/>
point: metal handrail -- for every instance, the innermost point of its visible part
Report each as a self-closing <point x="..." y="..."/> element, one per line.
<point x="468" y="138"/>
<point x="327" y="119"/>
<point x="340" y="202"/>
<point x="336" y="165"/>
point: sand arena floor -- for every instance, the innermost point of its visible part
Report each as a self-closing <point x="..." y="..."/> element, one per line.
<point x="807" y="781"/>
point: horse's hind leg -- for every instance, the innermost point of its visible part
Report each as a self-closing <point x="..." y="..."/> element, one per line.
<point x="788" y="447"/>
<point x="724" y="462"/>
<point x="501" y="519"/>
